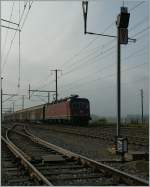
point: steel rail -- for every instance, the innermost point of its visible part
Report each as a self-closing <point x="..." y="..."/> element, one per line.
<point x="25" y="162"/>
<point x="127" y="178"/>
<point x="138" y="140"/>
<point x="76" y="132"/>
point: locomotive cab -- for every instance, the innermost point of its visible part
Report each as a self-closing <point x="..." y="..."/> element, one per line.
<point x="80" y="110"/>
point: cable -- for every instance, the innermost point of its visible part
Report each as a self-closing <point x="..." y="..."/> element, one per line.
<point x="98" y="55"/>
<point x="139" y="4"/>
<point x="85" y="62"/>
<point x="135" y="26"/>
<point x="123" y="84"/>
<point x="108" y="27"/>
<point x="106" y="67"/>
<point x="41" y="98"/>
<point x="89" y="44"/>
<point x="30" y="5"/>
<point x="77" y="54"/>
<point x="45" y="83"/>
<point x="79" y="66"/>
<point x="8" y="25"/>
<point x="5" y="61"/>
<point x="102" y="47"/>
<point x="108" y="76"/>
<point x="129" y="56"/>
<point x="8" y="99"/>
<point x="89" y="60"/>
<point x="145" y="29"/>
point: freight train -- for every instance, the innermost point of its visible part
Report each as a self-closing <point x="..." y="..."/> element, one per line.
<point x="68" y="110"/>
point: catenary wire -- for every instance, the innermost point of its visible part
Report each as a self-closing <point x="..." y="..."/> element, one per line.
<point x="8" y="52"/>
<point x="106" y="67"/>
<point x="5" y="41"/>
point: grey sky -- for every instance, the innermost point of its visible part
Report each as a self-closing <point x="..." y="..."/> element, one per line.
<point x="53" y="37"/>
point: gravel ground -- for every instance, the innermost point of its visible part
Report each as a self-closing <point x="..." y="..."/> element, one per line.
<point x="94" y="149"/>
<point x="100" y="131"/>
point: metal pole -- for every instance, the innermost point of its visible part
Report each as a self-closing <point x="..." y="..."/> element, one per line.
<point x="29" y="91"/>
<point x="19" y="63"/>
<point x="56" y="86"/>
<point x="48" y="97"/>
<point x="13" y="106"/>
<point x="23" y="102"/>
<point x="118" y="83"/>
<point x="1" y="100"/>
<point x="142" y="119"/>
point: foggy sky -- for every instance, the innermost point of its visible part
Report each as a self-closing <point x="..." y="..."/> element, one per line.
<point x="53" y="37"/>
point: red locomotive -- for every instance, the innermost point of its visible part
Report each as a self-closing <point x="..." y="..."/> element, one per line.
<point x="69" y="110"/>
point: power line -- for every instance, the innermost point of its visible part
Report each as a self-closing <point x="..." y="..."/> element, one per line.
<point x="107" y="28"/>
<point x="30" y="5"/>
<point x="41" y="98"/>
<point x="8" y="52"/>
<point x="139" y="4"/>
<point x="107" y="76"/>
<point x="80" y="60"/>
<point x="139" y="23"/>
<point x="45" y="83"/>
<point x="10" y="28"/>
<point x="89" y="60"/>
<point x="129" y="56"/>
<point x="87" y="46"/>
<point x="8" y="25"/>
<point x="106" y="67"/>
<point x="79" y="66"/>
<point x="5" y="61"/>
<point x="92" y="51"/>
<point x="145" y="29"/>
<point x="123" y="84"/>
<point x="9" y="21"/>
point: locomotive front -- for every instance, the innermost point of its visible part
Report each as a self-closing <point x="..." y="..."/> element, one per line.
<point x="80" y="110"/>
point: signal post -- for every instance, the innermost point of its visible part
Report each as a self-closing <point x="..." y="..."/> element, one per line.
<point x="122" y="38"/>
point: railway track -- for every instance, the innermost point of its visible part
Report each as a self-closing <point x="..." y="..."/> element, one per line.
<point x="136" y="140"/>
<point x="106" y="134"/>
<point x="13" y="173"/>
<point x="57" y="166"/>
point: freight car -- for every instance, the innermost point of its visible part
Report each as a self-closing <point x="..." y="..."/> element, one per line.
<point x="69" y="110"/>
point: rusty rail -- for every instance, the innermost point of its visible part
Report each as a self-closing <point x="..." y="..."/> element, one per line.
<point x="23" y="157"/>
<point x="125" y="177"/>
